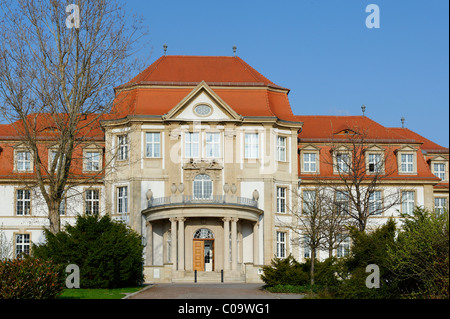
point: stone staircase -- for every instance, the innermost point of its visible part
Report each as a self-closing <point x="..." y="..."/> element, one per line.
<point x="209" y="277"/>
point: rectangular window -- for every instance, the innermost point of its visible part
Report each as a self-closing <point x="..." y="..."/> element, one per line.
<point x="375" y="163"/>
<point x="92" y="200"/>
<point x="22" y="245"/>
<point x="92" y="161"/>
<point x="342" y="202"/>
<point x="281" y="245"/>
<point x="251" y="145"/>
<point x="23" y="202"/>
<point x="281" y="148"/>
<point x="212" y="145"/>
<point x="53" y="156"/>
<point x="309" y="199"/>
<point x="306" y="247"/>
<point x="153" y="145"/>
<point x="407" y="165"/>
<point x="191" y="145"/>
<point x="62" y="207"/>
<point x="343" y="248"/>
<point x="439" y="170"/>
<point x="281" y="200"/>
<point x="309" y="162"/>
<point x="343" y="163"/>
<point x="440" y="204"/>
<point x="122" y="200"/>
<point x="407" y="202"/>
<point x="375" y="203"/>
<point x="122" y="141"/>
<point x="23" y="161"/>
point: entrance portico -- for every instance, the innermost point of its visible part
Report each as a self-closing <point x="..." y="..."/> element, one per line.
<point x="202" y="237"/>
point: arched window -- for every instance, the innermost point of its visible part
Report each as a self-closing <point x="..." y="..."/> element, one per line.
<point x="203" y="233"/>
<point x="202" y="187"/>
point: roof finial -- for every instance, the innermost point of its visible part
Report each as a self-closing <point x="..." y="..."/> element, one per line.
<point x="403" y="122"/>
<point x="234" y="50"/>
<point x="363" y="108"/>
<point x="165" y="48"/>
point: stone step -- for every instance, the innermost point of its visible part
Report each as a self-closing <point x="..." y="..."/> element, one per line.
<point x="209" y="276"/>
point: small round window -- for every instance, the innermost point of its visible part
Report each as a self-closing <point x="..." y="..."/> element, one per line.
<point x="203" y="110"/>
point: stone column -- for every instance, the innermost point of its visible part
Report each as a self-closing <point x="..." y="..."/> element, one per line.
<point x="256" y="243"/>
<point x="173" y="243"/>
<point x="226" y="243"/>
<point x="181" y="243"/>
<point x="234" y="251"/>
<point x="149" y="246"/>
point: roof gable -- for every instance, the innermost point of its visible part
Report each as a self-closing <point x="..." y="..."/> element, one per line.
<point x="202" y="95"/>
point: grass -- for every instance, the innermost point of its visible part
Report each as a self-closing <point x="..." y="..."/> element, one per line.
<point x="118" y="293"/>
<point x="293" y="289"/>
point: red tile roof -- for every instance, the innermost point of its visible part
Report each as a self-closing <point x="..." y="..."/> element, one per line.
<point x="191" y="70"/>
<point x="167" y="81"/>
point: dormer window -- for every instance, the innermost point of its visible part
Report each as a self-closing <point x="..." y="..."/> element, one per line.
<point x="439" y="170"/>
<point x="407" y="160"/>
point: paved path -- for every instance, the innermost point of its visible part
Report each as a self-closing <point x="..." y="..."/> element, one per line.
<point x="209" y="291"/>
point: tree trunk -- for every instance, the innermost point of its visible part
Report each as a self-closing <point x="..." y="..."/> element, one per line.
<point x="54" y="218"/>
<point x="313" y="258"/>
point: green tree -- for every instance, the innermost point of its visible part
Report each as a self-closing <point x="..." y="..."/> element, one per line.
<point x="369" y="248"/>
<point x="419" y="259"/>
<point x="108" y="253"/>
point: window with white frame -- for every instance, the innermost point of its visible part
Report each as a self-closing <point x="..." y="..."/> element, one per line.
<point x="375" y="163"/>
<point x="281" y="200"/>
<point x="344" y="246"/>
<point x="212" y="144"/>
<point x="122" y="200"/>
<point x="309" y="162"/>
<point x="440" y="204"/>
<point x="122" y="141"/>
<point x="343" y="162"/>
<point x="23" y="202"/>
<point x="92" y="201"/>
<point x="281" y="244"/>
<point x="439" y="170"/>
<point x="153" y="145"/>
<point x="375" y="203"/>
<point x="202" y="187"/>
<point x="92" y="161"/>
<point x="22" y="245"/>
<point x="281" y="148"/>
<point x="251" y="145"/>
<point x="23" y="161"/>
<point x="407" y="163"/>
<point x="407" y="202"/>
<point x="342" y="202"/>
<point x="53" y="156"/>
<point x="306" y="247"/>
<point x="191" y="145"/>
<point x="62" y="207"/>
<point x="308" y="201"/>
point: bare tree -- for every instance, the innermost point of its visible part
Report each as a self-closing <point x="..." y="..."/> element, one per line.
<point x="361" y="165"/>
<point x="56" y="79"/>
<point x="308" y="220"/>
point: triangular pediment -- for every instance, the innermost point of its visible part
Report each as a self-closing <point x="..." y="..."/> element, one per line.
<point x="202" y="104"/>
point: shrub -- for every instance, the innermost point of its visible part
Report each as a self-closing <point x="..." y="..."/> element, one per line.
<point x="369" y="248"/>
<point x="108" y="253"/>
<point x="285" y="271"/>
<point x="30" y="278"/>
<point x="419" y="258"/>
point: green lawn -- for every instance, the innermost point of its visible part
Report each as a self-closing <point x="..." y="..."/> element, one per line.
<point x="97" y="293"/>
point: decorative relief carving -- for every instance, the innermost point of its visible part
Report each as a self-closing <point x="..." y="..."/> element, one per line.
<point x="211" y="167"/>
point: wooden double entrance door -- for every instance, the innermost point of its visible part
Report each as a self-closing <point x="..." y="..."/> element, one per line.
<point x="203" y="258"/>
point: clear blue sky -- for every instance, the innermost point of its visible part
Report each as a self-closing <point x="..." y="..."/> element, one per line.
<point x="323" y="51"/>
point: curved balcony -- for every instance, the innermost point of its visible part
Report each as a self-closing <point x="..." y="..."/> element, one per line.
<point x="192" y="200"/>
